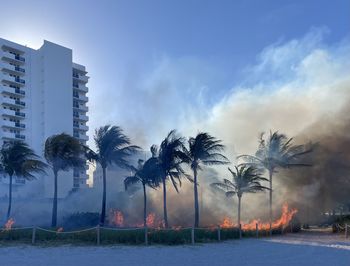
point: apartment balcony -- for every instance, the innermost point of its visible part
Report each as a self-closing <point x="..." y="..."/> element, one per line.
<point x="83" y="137"/>
<point x="80" y="97"/>
<point x="13" y="136"/>
<point x="80" y="78"/>
<point x="80" y="107"/>
<point x="80" y="127"/>
<point x="19" y="136"/>
<point x="12" y="102"/>
<point x="11" y="124"/>
<point x="16" y="70"/>
<point x="81" y="117"/>
<point x="13" y="113"/>
<point x="8" y="135"/>
<point x="7" y="56"/>
<point x="80" y="136"/>
<point x="13" y="80"/>
<point x="12" y="91"/>
<point x="80" y="87"/>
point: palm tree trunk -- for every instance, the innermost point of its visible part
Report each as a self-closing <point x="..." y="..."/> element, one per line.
<point x="54" y="204"/>
<point x="144" y="205"/>
<point x="164" y="205"/>
<point x="196" y="207"/>
<point x="239" y="210"/>
<point x="103" y="212"/>
<point x="270" y="202"/>
<point x="10" y="199"/>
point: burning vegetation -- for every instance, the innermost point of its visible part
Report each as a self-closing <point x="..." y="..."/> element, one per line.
<point x="8" y="225"/>
<point x="280" y="223"/>
<point x="116" y="219"/>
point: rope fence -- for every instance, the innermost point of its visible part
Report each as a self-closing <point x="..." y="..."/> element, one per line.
<point x="140" y="235"/>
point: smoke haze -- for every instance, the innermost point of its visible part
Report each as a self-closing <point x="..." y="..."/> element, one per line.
<point x="300" y="87"/>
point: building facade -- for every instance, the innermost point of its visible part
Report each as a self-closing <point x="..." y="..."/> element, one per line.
<point x="43" y="93"/>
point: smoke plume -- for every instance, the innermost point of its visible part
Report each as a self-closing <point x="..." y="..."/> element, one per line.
<point x="300" y="87"/>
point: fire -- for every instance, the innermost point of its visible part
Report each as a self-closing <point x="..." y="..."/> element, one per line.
<point x="150" y="219"/>
<point x="59" y="230"/>
<point x="9" y="223"/>
<point x="227" y="223"/>
<point x="116" y="218"/>
<point x="283" y="221"/>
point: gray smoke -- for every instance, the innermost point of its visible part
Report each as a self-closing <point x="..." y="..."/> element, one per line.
<point x="300" y="88"/>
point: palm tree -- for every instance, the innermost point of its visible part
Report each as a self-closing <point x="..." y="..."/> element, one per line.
<point x="245" y="179"/>
<point x="147" y="175"/>
<point x="276" y="151"/>
<point x="113" y="147"/>
<point x="63" y="153"/>
<point x="170" y="157"/>
<point x="204" y="149"/>
<point x="18" y="159"/>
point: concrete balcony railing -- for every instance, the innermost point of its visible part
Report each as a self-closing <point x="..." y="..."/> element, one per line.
<point x="84" y="79"/>
<point x="83" y="127"/>
<point x="81" y="117"/>
<point x="13" y="80"/>
<point x="11" y="124"/>
<point x="80" y="107"/>
<point x="12" y="91"/>
<point x="13" y="102"/>
<point x="80" y="97"/>
<point x="83" y="137"/>
<point x="79" y="77"/>
<point x="80" y="87"/>
<point x="7" y="67"/>
<point x="9" y="135"/>
<point x="83" y="108"/>
<point x="13" y="113"/>
<point x="78" y="126"/>
<point x="8" y="112"/>
<point x="12" y="57"/>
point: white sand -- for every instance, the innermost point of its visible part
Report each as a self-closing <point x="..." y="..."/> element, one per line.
<point x="293" y="249"/>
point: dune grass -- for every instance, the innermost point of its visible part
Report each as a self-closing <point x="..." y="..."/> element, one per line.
<point x="132" y="236"/>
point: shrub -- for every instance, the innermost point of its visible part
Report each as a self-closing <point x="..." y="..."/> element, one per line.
<point x="81" y="220"/>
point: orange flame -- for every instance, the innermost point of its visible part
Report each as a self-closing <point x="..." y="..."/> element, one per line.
<point x="283" y="221"/>
<point x="227" y="223"/>
<point x="116" y="218"/>
<point x="150" y="219"/>
<point x="9" y="223"/>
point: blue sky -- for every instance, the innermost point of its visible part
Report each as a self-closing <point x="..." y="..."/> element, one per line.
<point x="153" y="62"/>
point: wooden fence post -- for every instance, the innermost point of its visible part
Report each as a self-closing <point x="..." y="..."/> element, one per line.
<point x="98" y="236"/>
<point x="257" y="230"/>
<point x="192" y="235"/>
<point x="146" y="235"/>
<point x="33" y="235"/>
<point x="219" y="233"/>
<point x="240" y="231"/>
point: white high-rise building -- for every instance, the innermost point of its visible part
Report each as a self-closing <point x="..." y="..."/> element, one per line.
<point x="43" y="93"/>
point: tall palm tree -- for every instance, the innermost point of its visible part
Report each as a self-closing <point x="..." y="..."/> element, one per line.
<point x="170" y="157"/>
<point x="276" y="151"/>
<point x="146" y="174"/>
<point x="113" y="147"/>
<point x="18" y="159"/>
<point x="63" y="153"/>
<point x="204" y="149"/>
<point x="245" y="179"/>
